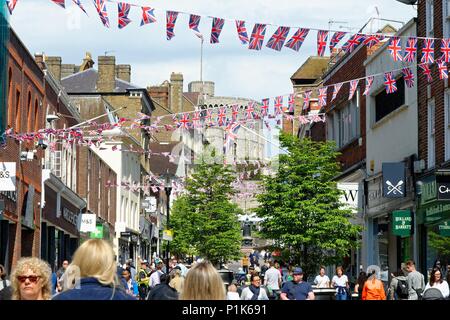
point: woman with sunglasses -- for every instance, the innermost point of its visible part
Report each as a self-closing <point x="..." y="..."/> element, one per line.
<point x="30" y="280"/>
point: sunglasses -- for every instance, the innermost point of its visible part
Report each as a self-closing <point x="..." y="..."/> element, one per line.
<point x="32" y="279"/>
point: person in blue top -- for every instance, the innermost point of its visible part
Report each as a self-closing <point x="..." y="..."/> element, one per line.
<point x="92" y="275"/>
<point x="130" y="285"/>
<point x="297" y="289"/>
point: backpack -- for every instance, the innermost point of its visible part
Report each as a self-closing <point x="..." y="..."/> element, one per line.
<point x="402" y="289"/>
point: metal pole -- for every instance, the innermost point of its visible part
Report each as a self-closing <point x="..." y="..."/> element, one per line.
<point x="168" y="190"/>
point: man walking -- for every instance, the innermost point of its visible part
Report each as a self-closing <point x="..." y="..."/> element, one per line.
<point x="297" y="289"/>
<point x="415" y="281"/>
<point x="272" y="280"/>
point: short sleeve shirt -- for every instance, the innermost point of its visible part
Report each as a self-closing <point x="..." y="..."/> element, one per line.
<point x="296" y="291"/>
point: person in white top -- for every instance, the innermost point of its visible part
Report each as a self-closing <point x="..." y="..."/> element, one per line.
<point x="272" y="280"/>
<point x="322" y="280"/>
<point x="437" y="282"/>
<point x="254" y="291"/>
<point x="340" y="282"/>
<point x="232" y="293"/>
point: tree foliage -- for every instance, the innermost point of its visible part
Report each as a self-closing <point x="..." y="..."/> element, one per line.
<point x="204" y="220"/>
<point x="301" y="208"/>
<point x="440" y="243"/>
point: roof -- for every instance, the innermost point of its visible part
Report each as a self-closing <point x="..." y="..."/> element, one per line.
<point x="192" y="97"/>
<point x="86" y="82"/>
<point x="313" y="68"/>
<point x="160" y="163"/>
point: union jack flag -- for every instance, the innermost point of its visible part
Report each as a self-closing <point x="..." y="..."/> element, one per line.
<point x="277" y="40"/>
<point x="278" y="105"/>
<point x="250" y="110"/>
<point x="428" y="51"/>
<point x="372" y="40"/>
<point x="78" y="3"/>
<point x="291" y="103"/>
<point x="124" y="10"/>
<point x="306" y="99"/>
<point x="194" y="21"/>
<point x="410" y="50"/>
<point x="426" y="71"/>
<point x="336" y="89"/>
<point x="221" y="116"/>
<point x="11" y="5"/>
<point x="390" y="82"/>
<point x="242" y="31"/>
<point x="217" y="25"/>
<point x="352" y="43"/>
<point x="60" y="3"/>
<point x="257" y="38"/>
<point x="445" y="50"/>
<point x="100" y="5"/>
<point x="196" y="119"/>
<point x="322" y="39"/>
<point x="148" y="15"/>
<point x="323" y="96"/>
<point x="231" y="133"/>
<point x="369" y="82"/>
<point x="395" y="48"/>
<point x="353" y="87"/>
<point x="171" y="19"/>
<point x="443" y="70"/>
<point x="185" y="122"/>
<point x="297" y="39"/>
<point x="337" y="37"/>
<point x="175" y="121"/>
<point x="234" y="112"/>
<point x="209" y="117"/>
<point x="408" y="75"/>
<point x="265" y="106"/>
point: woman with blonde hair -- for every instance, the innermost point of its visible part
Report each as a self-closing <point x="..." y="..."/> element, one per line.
<point x="203" y="282"/>
<point x="31" y="280"/>
<point x="92" y="274"/>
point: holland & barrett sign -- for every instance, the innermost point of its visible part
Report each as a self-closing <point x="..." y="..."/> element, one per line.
<point x="402" y="223"/>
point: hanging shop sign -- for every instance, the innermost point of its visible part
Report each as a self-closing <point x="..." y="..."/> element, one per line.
<point x="168" y="235"/>
<point x="402" y="223"/>
<point x="87" y="222"/>
<point x="443" y="187"/>
<point x="394" y="180"/>
<point x="7" y="176"/>
<point x="350" y="195"/>
<point x="98" y="233"/>
<point x="444" y="229"/>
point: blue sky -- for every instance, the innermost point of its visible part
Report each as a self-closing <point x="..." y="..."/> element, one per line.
<point x="45" y="27"/>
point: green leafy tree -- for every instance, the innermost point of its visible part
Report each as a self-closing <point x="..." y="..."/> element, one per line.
<point x="204" y="220"/>
<point x="301" y="208"/>
<point x="440" y="243"/>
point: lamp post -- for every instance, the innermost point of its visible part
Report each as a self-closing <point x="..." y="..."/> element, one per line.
<point x="168" y="188"/>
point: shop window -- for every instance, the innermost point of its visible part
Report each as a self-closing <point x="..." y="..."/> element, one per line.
<point x="385" y="103"/>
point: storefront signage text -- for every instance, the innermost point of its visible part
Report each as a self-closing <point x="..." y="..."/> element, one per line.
<point x="70" y="216"/>
<point x="402" y="222"/>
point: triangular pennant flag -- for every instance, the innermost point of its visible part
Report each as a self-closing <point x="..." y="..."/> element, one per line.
<point x="216" y="29"/>
<point x="428" y="51"/>
<point x="297" y="39"/>
<point x="337" y="37"/>
<point x="426" y="71"/>
<point x="443" y="70"/>
<point x="277" y="40"/>
<point x="257" y="37"/>
<point x="369" y="82"/>
<point x="148" y="15"/>
<point x="194" y="22"/>
<point x="323" y="96"/>
<point x="11" y="4"/>
<point x="278" y="105"/>
<point x="408" y="76"/>
<point x="306" y="99"/>
<point x="171" y="19"/>
<point x="353" y="87"/>
<point x="353" y="43"/>
<point x="291" y="103"/>
<point x="445" y="50"/>
<point x="336" y="89"/>
<point x="242" y="31"/>
<point x="390" y="83"/>
<point x="78" y="3"/>
<point x="264" y="107"/>
<point x="100" y="5"/>
<point x="322" y="41"/>
<point x="410" y="50"/>
<point x="61" y="3"/>
<point x="395" y="48"/>
<point x="123" y="11"/>
<point x="372" y="40"/>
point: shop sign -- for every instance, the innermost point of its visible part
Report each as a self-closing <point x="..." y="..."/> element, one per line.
<point x="394" y="180"/>
<point x="428" y="192"/>
<point x="436" y="212"/>
<point x="443" y="187"/>
<point x="350" y="196"/>
<point x="70" y="216"/>
<point x="98" y="233"/>
<point x="7" y="176"/>
<point x="168" y="235"/>
<point x="444" y="229"/>
<point x="88" y="222"/>
<point x="402" y="223"/>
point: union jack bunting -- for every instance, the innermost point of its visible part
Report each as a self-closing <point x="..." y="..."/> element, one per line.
<point x="171" y="19"/>
<point x="148" y="15"/>
<point x="291" y="103"/>
<point x="352" y="43"/>
<point x="426" y="71"/>
<point x="196" y="119"/>
<point x="124" y="10"/>
<point x="234" y="112"/>
<point x="322" y="39"/>
<point x="410" y="50"/>
<point x="217" y="25"/>
<point x="372" y="40"/>
<point x="277" y="40"/>
<point x="353" y="87"/>
<point x="297" y="39"/>
<point x="369" y="82"/>
<point x="194" y="21"/>
<point x="278" y="105"/>
<point x="78" y="3"/>
<point x="443" y="70"/>
<point x="428" y="51"/>
<point x="336" y="89"/>
<point x="257" y="38"/>
<point x="175" y="121"/>
<point x="185" y="122"/>
<point x="242" y="31"/>
<point x="323" y="96"/>
<point x="408" y="75"/>
<point x="395" y="48"/>
<point x="445" y="50"/>
<point x="11" y="4"/>
<point x="390" y="82"/>
<point x="100" y="5"/>
<point x="306" y="99"/>
<point x="250" y="110"/>
<point x="61" y="3"/>
<point x="209" y="117"/>
<point x="221" y="116"/>
<point x="337" y="37"/>
<point x="265" y="106"/>
<point x="231" y="133"/>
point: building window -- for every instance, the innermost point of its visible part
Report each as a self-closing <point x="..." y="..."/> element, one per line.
<point x="385" y="103"/>
<point x="431" y="134"/>
<point x="17" y="122"/>
<point x="36" y="115"/>
<point x="10" y="97"/>
<point x="343" y="124"/>
<point x="446" y="18"/>
<point x="430" y="18"/>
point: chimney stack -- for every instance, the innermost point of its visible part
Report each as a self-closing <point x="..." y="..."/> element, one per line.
<point x="54" y="65"/>
<point x="176" y="92"/>
<point x="106" y="81"/>
<point x="123" y="72"/>
<point x="39" y="58"/>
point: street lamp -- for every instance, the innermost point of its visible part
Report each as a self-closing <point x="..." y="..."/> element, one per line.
<point x="168" y="179"/>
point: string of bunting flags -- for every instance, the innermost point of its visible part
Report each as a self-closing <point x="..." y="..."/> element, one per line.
<point x="278" y="40"/>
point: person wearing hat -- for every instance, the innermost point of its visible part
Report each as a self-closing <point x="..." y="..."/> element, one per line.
<point x="297" y="289"/>
<point x="143" y="278"/>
